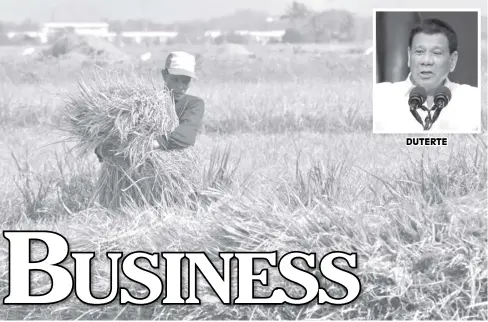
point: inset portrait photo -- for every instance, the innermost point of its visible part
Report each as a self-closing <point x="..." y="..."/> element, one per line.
<point x="427" y="77"/>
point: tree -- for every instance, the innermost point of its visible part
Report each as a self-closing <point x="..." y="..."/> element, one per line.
<point x="115" y="26"/>
<point x="332" y="25"/>
<point x="293" y="36"/>
<point x="318" y="27"/>
<point x="296" y="11"/>
<point x="298" y="15"/>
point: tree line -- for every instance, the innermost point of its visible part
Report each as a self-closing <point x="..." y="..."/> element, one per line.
<point x="301" y="25"/>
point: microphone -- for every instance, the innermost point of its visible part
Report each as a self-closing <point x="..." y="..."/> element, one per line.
<point x="416" y="99"/>
<point x="442" y="97"/>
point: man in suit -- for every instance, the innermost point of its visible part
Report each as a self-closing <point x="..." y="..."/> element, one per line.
<point x="177" y="74"/>
<point x="432" y="56"/>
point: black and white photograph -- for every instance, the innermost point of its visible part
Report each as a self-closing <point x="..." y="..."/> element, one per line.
<point x="427" y="73"/>
<point x="221" y="160"/>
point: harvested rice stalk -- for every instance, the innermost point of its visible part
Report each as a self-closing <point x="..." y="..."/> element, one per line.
<point x="119" y="108"/>
<point x="169" y="178"/>
<point x="131" y="113"/>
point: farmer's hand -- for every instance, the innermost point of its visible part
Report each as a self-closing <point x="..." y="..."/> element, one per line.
<point x="105" y="150"/>
<point x="99" y="156"/>
<point x="161" y="143"/>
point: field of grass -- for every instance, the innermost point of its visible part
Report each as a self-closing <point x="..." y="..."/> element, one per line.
<point x="304" y="173"/>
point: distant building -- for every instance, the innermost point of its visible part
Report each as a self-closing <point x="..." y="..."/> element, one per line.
<point x="40" y="36"/>
<point x="263" y="36"/>
<point x="102" y="30"/>
<point x="212" y="33"/>
<point x="149" y="36"/>
<point x="110" y="36"/>
<point x="51" y="29"/>
<point x="85" y="28"/>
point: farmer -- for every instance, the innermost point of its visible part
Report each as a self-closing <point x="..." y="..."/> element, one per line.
<point x="177" y="74"/>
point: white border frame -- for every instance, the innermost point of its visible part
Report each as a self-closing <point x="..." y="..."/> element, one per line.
<point x="417" y="9"/>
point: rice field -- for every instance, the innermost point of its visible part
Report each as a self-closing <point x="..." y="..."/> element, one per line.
<point x="290" y="164"/>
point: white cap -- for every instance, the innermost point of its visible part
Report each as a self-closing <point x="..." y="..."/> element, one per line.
<point x="181" y="63"/>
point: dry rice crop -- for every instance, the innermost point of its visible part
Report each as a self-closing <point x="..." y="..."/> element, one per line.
<point x="305" y="174"/>
<point x="130" y="113"/>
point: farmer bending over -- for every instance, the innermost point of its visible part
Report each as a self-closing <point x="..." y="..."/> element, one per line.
<point x="178" y="72"/>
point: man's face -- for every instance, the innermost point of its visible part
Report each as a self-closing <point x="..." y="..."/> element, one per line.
<point x="177" y="84"/>
<point x="429" y="60"/>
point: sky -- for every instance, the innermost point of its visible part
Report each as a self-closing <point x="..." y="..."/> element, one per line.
<point x="169" y="11"/>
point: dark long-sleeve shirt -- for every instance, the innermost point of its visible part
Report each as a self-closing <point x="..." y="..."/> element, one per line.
<point x="190" y="110"/>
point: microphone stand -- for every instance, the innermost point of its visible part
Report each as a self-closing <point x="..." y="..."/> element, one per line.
<point x="416" y="115"/>
<point x="437" y="108"/>
<point x="413" y="110"/>
<point x="429" y="119"/>
<point x="439" y="104"/>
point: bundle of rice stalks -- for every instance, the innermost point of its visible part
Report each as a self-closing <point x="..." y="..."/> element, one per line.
<point x="131" y="113"/>
<point x="166" y="179"/>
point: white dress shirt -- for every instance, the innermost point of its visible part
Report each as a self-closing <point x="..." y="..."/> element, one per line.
<point x="391" y="112"/>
